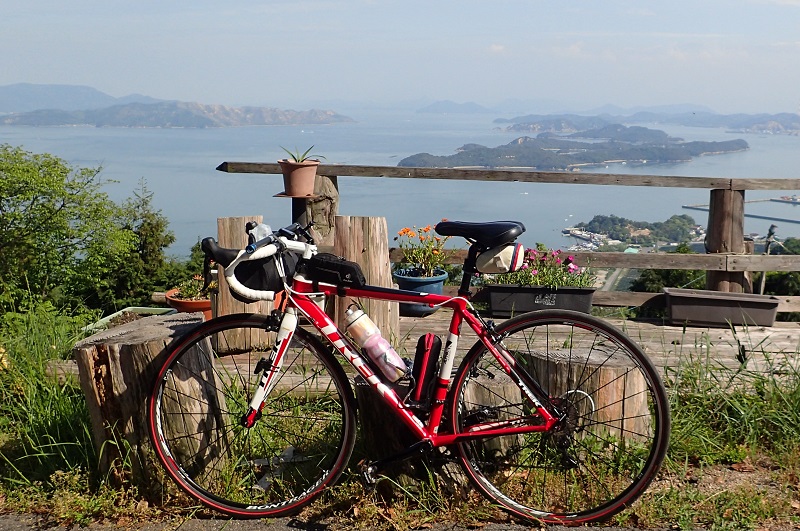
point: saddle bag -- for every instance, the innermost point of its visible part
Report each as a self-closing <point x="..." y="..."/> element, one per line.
<point x="504" y="258"/>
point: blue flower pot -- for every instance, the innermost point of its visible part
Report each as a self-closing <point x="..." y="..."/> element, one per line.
<point x="425" y="284"/>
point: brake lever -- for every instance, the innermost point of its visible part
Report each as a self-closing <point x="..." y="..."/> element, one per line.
<point x="207" y="272"/>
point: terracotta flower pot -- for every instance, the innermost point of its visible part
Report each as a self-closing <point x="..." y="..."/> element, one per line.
<point x="189" y="306"/>
<point x="298" y="177"/>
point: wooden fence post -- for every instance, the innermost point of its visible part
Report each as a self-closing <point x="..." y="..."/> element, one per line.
<point x="321" y="209"/>
<point x="725" y="234"/>
<point x="365" y="240"/>
<point x="231" y="233"/>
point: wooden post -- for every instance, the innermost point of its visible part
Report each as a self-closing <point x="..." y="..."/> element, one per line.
<point x="117" y="369"/>
<point x="321" y="209"/>
<point x="725" y="234"/>
<point x="231" y="233"/>
<point x="365" y="240"/>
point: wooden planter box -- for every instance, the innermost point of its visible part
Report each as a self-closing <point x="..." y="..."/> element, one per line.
<point x="716" y="308"/>
<point x="508" y="300"/>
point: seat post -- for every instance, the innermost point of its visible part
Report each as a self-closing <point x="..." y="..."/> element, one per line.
<point x="470" y="269"/>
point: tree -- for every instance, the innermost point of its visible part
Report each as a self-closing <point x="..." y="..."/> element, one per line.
<point x="652" y="280"/>
<point x="144" y="267"/>
<point x="56" y="226"/>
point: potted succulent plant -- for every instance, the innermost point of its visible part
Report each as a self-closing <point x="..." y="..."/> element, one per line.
<point x="189" y="296"/>
<point x="422" y="266"/>
<point x="299" y="172"/>
<point x="548" y="279"/>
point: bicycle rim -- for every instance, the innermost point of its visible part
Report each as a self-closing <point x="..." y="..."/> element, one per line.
<point x="615" y="419"/>
<point x="298" y="446"/>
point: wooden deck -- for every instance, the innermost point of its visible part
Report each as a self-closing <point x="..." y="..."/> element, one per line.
<point x="666" y="345"/>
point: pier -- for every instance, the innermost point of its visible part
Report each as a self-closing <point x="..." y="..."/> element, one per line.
<point x="788" y="200"/>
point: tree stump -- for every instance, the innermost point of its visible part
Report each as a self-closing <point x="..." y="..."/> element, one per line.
<point x="117" y="369"/>
<point x="383" y="435"/>
<point x="618" y="401"/>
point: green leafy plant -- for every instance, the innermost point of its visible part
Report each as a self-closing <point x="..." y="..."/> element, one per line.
<point x="423" y="251"/>
<point x="297" y="156"/>
<point x="191" y="289"/>
<point x="546" y="267"/>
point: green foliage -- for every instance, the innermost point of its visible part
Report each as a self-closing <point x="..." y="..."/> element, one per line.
<point x="297" y="156"/>
<point x="56" y="229"/>
<point x="65" y="241"/>
<point x="652" y="280"/>
<point x="722" y="414"/>
<point x="784" y="282"/>
<point x="45" y="423"/>
<point x="143" y="268"/>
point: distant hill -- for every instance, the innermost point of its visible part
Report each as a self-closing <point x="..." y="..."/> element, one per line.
<point x="25" y="97"/>
<point x="787" y="123"/>
<point x="45" y="105"/>
<point x="450" y="107"/>
<point x="174" y="114"/>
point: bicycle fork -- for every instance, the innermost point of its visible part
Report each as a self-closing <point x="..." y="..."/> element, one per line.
<point x="270" y="368"/>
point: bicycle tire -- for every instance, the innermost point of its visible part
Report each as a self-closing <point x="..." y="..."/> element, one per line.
<point x="300" y="444"/>
<point x="611" y="441"/>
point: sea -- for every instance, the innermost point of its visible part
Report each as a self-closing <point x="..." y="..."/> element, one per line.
<point x="179" y="167"/>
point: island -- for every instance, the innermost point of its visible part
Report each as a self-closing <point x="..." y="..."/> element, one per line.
<point x="563" y="145"/>
<point x="169" y="114"/>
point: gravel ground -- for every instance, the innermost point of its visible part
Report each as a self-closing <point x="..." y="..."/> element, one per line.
<point x="25" y="522"/>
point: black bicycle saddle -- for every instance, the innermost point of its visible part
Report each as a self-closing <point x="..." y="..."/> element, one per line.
<point x="487" y="234"/>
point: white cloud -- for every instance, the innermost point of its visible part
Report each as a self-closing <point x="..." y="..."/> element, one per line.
<point x="497" y="48"/>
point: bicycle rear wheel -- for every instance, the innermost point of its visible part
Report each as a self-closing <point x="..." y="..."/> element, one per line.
<point x="614" y="430"/>
<point x="299" y="445"/>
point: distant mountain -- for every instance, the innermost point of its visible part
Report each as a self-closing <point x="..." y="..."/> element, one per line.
<point x="450" y="107"/>
<point x="25" y="97"/>
<point x="173" y="114"/>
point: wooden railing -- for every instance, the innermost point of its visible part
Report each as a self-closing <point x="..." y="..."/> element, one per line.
<point x="727" y="264"/>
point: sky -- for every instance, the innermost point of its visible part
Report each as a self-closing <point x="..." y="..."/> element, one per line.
<point x="729" y="55"/>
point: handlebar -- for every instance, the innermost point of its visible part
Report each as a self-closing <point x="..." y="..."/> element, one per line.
<point x="284" y="239"/>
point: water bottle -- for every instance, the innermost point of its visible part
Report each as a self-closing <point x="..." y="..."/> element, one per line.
<point x="256" y="235"/>
<point x="260" y="231"/>
<point x="367" y="336"/>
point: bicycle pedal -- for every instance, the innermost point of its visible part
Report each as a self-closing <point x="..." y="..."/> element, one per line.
<point x="367" y="472"/>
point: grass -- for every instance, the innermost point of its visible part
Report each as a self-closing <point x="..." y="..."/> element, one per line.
<point x="734" y="459"/>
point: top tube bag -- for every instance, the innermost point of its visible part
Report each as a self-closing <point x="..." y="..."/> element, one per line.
<point x="331" y="269"/>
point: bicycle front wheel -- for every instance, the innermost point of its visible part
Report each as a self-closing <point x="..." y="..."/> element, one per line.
<point x="300" y="443"/>
<point x="610" y="440"/>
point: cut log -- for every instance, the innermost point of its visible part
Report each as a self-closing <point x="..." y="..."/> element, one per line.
<point x="117" y="369"/>
<point x="383" y="435"/>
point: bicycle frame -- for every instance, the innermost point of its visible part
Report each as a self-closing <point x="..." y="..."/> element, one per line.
<point x="432" y="430"/>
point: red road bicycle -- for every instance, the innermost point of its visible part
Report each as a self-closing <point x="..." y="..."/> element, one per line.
<point x="556" y="416"/>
